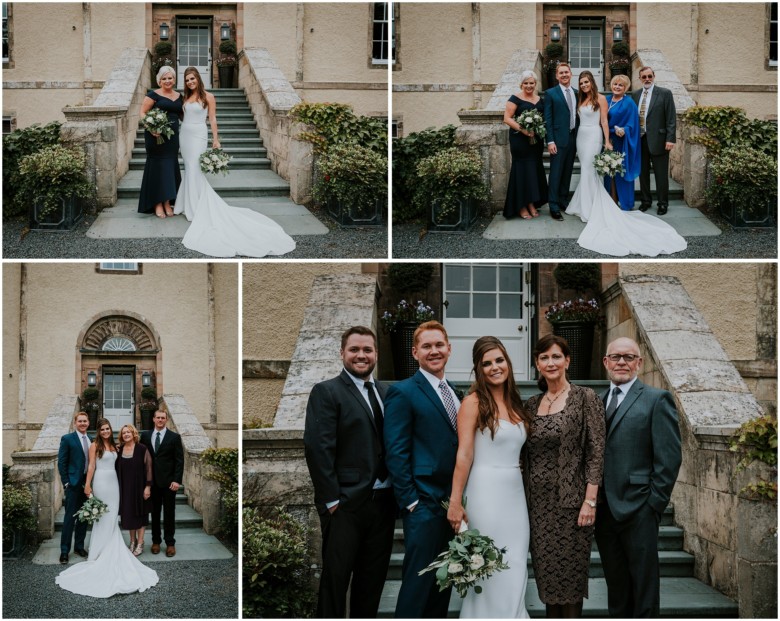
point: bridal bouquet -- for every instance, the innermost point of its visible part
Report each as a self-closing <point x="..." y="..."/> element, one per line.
<point x="470" y="557"/>
<point x="156" y="121"/>
<point x="214" y="161"/>
<point x="609" y="163"/>
<point x="532" y="121"/>
<point x="92" y="510"/>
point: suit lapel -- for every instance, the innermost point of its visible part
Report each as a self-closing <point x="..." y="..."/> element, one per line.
<point x="625" y="406"/>
<point x="428" y="391"/>
<point x="355" y="393"/>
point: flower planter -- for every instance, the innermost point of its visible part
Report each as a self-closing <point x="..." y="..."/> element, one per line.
<point x="401" y="341"/>
<point x="226" y="76"/>
<point x="763" y="217"/>
<point x="63" y="218"/>
<point x="457" y="220"/>
<point x="14" y="547"/>
<point x="92" y="409"/>
<point x="579" y="335"/>
<point x="349" y="215"/>
<point x="147" y="417"/>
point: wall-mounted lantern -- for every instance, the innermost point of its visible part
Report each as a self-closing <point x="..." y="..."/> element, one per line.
<point x="224" y="32"/>
<point x="555" y="33"/>
<point x="165" y="32"/>
<point x="617" y="33"/>
<point x="146" y="379"/>
<point x="91" y="379"/>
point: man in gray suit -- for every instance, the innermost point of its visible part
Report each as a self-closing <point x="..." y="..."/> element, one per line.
<point x="641" y="461"/>
<point x="657" y="127"/>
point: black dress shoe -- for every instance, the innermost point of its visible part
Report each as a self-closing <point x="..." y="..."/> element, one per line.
<point x="82" y="553"/>
<point x="64" y="558"/>
<point x="556" y="215"/>
<point x="645" y="206"/>
<point x="662" y="209"/>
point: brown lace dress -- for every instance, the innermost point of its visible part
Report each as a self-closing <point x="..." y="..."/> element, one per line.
<point x="564" y="452"/>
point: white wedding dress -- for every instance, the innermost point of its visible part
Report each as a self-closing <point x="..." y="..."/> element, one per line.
<point x="610" y="230"/>
<point x="110" y="568"/>
<point x="217" y="229"/>
<point x="496" y="507"/>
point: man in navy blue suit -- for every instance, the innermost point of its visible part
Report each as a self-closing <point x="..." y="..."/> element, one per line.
<point x="561" y="120"/>
<point x="421" y="443"/>
<point x="72" y="461"/>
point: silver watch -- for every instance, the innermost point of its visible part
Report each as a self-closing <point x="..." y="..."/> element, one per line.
<point x="591" y="503"/>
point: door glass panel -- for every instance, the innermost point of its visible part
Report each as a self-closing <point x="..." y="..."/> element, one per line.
<point x="484" y="278"/>
<point x="458" y="278"/>
<point x="509" y="306"/>
<point x="510" y="278"/>
<point x="458" y="305"/>
<point x="484" y="306"/>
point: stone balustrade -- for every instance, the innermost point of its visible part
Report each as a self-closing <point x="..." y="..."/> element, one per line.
<point x="106" y="129"/>
<point x="271" y="97"/>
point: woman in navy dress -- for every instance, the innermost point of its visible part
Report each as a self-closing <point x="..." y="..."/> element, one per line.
<point x="623" y="120"/>
<point x="162" y="176"/>
<point x="527" y="189"/>
<point x="134" y="471"/>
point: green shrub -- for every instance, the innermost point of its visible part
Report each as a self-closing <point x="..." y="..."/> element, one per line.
<point x="621" y="49"/>
<point x="16" y="146"/>
<point x="353" y="175"/>
<point x="225" y="464"/>
<point x="52" y="173"/>
<point x="553" y="50"/>
<point x="580" y="277"/>
<point x="336" y="124"/>
<point x="228" y="47"/>
<point x="90" y="394"/>
<point x="448" y="177"/>
<point x="17" y="511"/>
<point x="728" y="126"/>
<point x="409" y="277"/>
<point x="407" y="153"/>
<point x="275" y="566"/>
<point x="743" y="178"/>
<point x="757" y="440"/>
<point x="149" y="394"/>
<point x="163" y="48"/>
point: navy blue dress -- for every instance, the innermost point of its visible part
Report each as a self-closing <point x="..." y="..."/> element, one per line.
<point x="162" y="176"/>
<point x="527" y="182"/>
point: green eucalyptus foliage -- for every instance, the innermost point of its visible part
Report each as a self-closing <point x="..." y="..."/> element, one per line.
<point x="275" y="566"/>
<point x="16" y="146"/>
<point x="407" y="153"/>
<point x="225" y="464"/>
<point x="335" y="124"/>
<point x="354" y="175"/>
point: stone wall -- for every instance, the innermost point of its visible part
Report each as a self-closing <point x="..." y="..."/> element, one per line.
<point x="106" y="129"/>
<point x="271" y="96"/>
<point x="727" y="533"/>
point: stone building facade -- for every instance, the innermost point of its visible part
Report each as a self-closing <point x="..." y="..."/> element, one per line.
<point x="69" y="325"/>
<point x="327" y="51"/>
<point x="451" y="56"/>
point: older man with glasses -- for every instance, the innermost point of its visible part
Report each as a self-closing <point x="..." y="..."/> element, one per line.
<point x="641" y="462"/>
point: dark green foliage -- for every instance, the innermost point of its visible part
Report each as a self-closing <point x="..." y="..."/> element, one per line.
<point x="621" y="49"/>
<point x="90" y="394"/>
<point x="17" y="145"/>
<point x="730" y="127"/>
<point x="17" y="511"/>
<point x="580" y="277"/>
<point x="163" y="48"/>
<point x="745" y="179"/>
<point x="553" y="51"/>
<point x="335" y="124"/>
<point x="353" y="175"/>
<point x="275" y="566"/>
<point x="409" y="277"/>
<point x="757" y="440"/>
<point x="228" y="47"/>
<point x="225" y="464"/>
<point x="149" y="394"/>
<point x="407" y="153"/>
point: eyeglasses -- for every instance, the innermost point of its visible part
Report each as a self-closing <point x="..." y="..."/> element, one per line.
<point x="626" y="357"/>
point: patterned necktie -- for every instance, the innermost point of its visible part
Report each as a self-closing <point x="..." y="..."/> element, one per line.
<point x="85" y="446"/>
<point x="613" y="405"/>
<point x="449" y="404"/>
<point x="157" y="442"/>
<point x="642" y="110"/>
<point x="379" y="419"/>
<point x="570" y="103"/>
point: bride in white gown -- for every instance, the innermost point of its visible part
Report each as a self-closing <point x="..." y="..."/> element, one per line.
<point x="610" y="230"/>
<point x="217" y="229"/>
<point x="110" y="568"/>
<point x="491" y="431"/>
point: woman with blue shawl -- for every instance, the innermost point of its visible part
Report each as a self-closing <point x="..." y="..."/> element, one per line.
<point x="623" y="120"/>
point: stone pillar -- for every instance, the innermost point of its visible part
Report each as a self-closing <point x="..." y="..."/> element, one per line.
<point x="694" y="165"/>
<point x="484" y="130"/>
<point x="38" y="471"/>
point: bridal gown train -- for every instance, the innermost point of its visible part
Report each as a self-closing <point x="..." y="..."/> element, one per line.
<point x="610" y="230"/>
<point x="496" y="507"/>
<point x="110" y="568"/>
<point x="217" y="229"/>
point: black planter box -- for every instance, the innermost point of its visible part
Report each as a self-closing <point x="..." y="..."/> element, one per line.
<point x="226" y="76"/>
<point x="458" y="220"/>
<point x="347" y="215"/>
<point x="401" y="341"/>
<point x="64" y="218"/>
<point x="736" y="216"/>
<point x="579" y="335"/>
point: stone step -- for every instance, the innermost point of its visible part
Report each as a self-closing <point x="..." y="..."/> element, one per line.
<point x="238" y="183"/>
<point x="229" y="142"/>
<point x="237" y="163"/>
<point x="186" y="516"/>
<point x="680" y="598"/>
<point x="224" y="133"/>
<point x="235" y="152"/>
<point x="675" y="189"/>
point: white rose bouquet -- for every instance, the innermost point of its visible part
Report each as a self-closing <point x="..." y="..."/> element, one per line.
<point x="92" y="510"/>
<point x="214" y="161"/>
<point x="609" y="163"/>
<point x="156" y="121"/>
<point x="470" y="557"/>
<point x="532" y="121"/>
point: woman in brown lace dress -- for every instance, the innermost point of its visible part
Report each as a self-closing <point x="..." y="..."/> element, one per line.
<point x="563" y="466"/>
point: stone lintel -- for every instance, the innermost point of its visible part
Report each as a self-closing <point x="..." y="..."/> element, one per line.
<point x="257" y="437"/>
<point x="32" y="457"/>
<point x="756" y="368"/>
<point x="481" y="117"/>
<point x="265" y="369"/>
<point x="91" y="113"/>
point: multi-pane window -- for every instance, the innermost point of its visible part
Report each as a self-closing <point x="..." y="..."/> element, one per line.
<point x="773" y="33"/>
<point x="382" y="38"/>
<point x="119" y="267"/>
<point x="119" y="343"/>
<point x="395" y="130"/>
<point x="6" y="48"/>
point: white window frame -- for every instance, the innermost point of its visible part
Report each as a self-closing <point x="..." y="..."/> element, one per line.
<point x="6" y="34"/>
<point x="772" y="62"/>
<point x="119" y="267"/>
<point x="387" y="42"/>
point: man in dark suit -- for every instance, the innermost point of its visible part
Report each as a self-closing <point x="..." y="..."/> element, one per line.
<point x="344" y="446"/>
<point x="657" y="127"/>
<point x="168" y="471"/>
<point x="560" y="120"/>
<point x="422" y="442"/>
<point x="641" y="462"/>
<point x="72" y="461"/>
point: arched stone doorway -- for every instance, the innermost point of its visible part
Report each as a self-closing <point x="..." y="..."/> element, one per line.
<point x="119" y="353"/>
